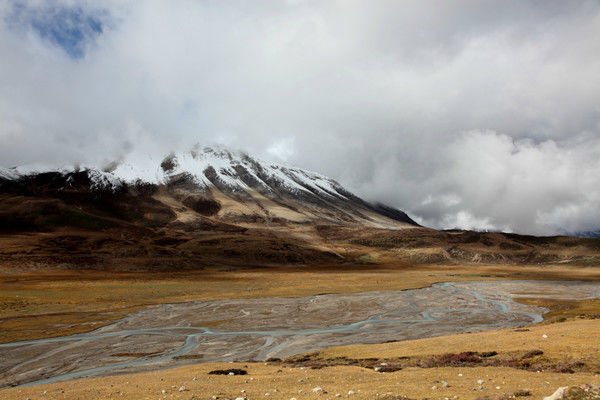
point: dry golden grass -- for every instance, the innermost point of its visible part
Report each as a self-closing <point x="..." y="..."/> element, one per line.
<point x="55" y="303"/>
<point x="46" y="304"/>
<point x="578" y="338"/>
<point x="561" y="310"/>
<point x="414" y="383"/>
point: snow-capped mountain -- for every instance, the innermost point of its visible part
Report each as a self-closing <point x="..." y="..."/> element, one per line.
<point x="232" y="186"/>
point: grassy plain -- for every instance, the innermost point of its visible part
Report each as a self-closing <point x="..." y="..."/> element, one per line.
<point x="55" y="303"/>
<point x="577" y="339"/>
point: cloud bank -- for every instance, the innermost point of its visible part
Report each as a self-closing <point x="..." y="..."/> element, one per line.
<point x="472" y="114"/>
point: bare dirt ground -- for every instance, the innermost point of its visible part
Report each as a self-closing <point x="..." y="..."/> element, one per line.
<point x="258" y="329"/>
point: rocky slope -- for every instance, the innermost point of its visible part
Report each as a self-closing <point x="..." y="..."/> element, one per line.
<point x="219" y="184"/>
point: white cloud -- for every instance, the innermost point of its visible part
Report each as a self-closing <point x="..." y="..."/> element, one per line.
<point x="376" y="94"/>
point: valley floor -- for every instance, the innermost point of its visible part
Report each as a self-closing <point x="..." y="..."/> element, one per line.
<point x="574" y="340"/>
<point x="47" y="304"/>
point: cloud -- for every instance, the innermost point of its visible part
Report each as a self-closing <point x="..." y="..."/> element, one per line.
<point x="475" y="114"/>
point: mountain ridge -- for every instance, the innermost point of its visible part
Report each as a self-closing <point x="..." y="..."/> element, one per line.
<point x="247" y="186"/>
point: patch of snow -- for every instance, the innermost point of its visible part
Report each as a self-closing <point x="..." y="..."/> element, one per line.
<point x="148" y="169"/>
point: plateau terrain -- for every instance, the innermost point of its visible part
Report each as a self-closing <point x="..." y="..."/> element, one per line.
<point x="212" y="260"/>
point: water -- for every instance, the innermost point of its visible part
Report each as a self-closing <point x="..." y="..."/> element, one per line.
<point x="443" y="308"/>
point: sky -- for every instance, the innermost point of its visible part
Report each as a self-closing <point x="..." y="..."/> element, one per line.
<point x="471" y="114"/>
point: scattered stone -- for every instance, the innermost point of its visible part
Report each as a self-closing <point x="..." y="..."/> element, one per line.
<point x="545" y="336"/>
<point x="387" y="368"/>
<point x="558" y="394"/>
<point x="232" y="371"/>
<point x="183" y="389"/>
<point x="480" y="381"/>
<point x="522" y="393"/>
<point x="318" y="389"/>
<point x="445" y="384"/>
<point x="241" y="398"/>
<point x="350" y="392"/>
<point x="163" y="391"/>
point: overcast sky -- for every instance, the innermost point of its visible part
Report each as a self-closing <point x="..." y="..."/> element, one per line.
<point x="473" y="114"/>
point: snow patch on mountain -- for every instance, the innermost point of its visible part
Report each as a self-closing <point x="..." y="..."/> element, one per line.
<point x="232" y="169"/>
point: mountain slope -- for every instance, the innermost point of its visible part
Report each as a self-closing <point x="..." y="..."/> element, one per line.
<point x="224" y="185"/>
<point x="201" y="208"/>
<point x="215" y="208"/>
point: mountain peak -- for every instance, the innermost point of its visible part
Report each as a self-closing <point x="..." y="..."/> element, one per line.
<point x="245" y="188"/>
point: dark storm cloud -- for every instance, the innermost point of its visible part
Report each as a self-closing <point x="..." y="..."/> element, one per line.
<point x="478" y="114"/>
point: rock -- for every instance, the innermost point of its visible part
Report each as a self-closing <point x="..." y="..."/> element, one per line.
<point x="241" y="398"/>
<point x="232" y="371"/>
<point x="163" y="391"/>
<point x="445" y="384"/>
<point x="318" y="389"/>
<point x="545" y="336"/>
<point x="377" y="369"/>
<point x="480" y="381"/>
<point x="350" y="392"/>
<point x="183" y="389"/>
<point x="558" y="395"/>
<point x="522" y="393"/>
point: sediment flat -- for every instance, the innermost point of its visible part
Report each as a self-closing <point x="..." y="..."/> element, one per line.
<point x="168" y="335"/>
